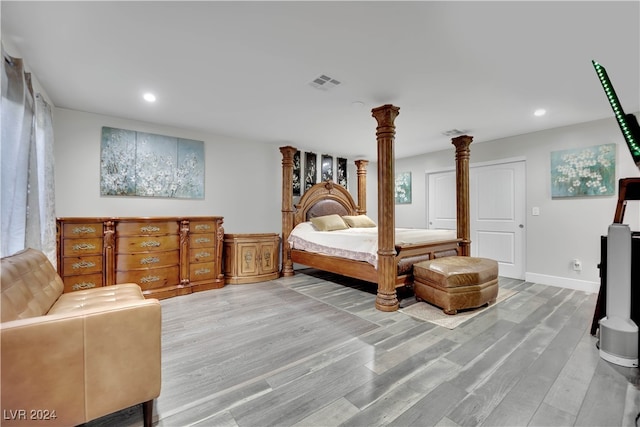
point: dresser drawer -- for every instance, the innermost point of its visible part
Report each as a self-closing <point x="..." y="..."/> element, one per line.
<point x="147" y="244"/>
<point x="85" y="281"/>
<point x="82" y="247"/>
<point x="202" y="240"/>
<point x="202" y="227"/>
<point x="147" y="260"/>
<point x="152" y="278"/>
<point x="202" y="255"/>
<point x="82" y="265"/>
<point x="150" y="228"/>
<point x="202" y="271"/>
<point x="82" y="230"/>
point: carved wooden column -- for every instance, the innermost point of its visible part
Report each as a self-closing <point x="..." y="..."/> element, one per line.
<point x="219" y="248"/>
<point x="462" y="195"/>
<point x="287" y="207"/>
<point x="184" y="252"/>
<point x="361" y="166"/>
<point x="108" y="253"/>
<point x="387" y="299"/>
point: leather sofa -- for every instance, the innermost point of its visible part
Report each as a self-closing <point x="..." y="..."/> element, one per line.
<point x="69" y="358"/>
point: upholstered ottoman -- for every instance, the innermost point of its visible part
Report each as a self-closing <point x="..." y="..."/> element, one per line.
<point x="457" y="282"/>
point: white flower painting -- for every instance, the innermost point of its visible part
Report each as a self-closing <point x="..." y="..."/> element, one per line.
<point x="148" y="165"/>
<point x="584" y="171"/>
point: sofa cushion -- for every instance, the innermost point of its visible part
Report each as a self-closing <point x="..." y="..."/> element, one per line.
<point x="107" y="296"/>
<point x="29" y="285"/>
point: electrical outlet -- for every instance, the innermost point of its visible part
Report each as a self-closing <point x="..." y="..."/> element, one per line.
<point x="577" y="264"/>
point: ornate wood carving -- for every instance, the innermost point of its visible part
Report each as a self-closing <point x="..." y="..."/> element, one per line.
<point x="166" y="256"/>
<point x="462" y="194"/>
<point x="361" y="166"/>
<point x="287" y="207"/>
<point x="387" y="299"/>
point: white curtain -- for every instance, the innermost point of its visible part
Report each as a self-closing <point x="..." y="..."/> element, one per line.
<point x="26" y="181"/>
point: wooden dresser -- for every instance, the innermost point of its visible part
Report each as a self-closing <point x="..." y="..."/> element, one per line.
<point x="250" y="258"/>
<point x="166" y="256"/>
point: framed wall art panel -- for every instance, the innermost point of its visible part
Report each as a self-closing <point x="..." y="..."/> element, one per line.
<point x="149" y="165"/>
<point x="584" y="172"/>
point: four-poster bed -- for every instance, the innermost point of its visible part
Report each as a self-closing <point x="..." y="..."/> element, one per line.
<point x="394" y="260"/>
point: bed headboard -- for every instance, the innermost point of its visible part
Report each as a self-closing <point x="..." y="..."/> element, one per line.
<point x="324" y="199"/>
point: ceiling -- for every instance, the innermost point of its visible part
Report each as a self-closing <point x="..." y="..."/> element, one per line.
<point x="244" y="69"/>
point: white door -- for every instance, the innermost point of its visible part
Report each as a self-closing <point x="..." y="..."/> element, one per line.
<point x="497" y="212"/>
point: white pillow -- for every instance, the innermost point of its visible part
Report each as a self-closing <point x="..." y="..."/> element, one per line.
<point x="358" y="221"/>
<point x="329" y="223"/>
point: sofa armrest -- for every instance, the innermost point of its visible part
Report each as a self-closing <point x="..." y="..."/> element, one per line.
<point x="83" y="364"/>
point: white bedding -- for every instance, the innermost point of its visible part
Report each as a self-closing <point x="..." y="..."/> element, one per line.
<point x="359" y="244"/>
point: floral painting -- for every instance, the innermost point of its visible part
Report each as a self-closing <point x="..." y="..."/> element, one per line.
<point x="148" y="165"/>
<point x="583" y="171"/>
<point x="310" y="171"/>
<point x="403" y="188"/>
<point x="296" y="173"/>
<point x="342" y="172"/>
<point x="327" y="168"/>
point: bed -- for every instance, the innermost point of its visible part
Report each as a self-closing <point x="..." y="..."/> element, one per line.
<point x="393" y="259"/>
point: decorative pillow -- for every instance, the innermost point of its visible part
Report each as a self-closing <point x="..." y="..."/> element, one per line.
<point x="358" y="221"/>
<point x="329" y="223"/>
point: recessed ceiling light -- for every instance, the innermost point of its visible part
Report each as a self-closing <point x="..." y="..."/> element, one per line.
<point x="540" y="112"/>
<point x="149" y="97"/>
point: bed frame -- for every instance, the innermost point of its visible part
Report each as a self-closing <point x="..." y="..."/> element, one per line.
<point x="394" y="261"/>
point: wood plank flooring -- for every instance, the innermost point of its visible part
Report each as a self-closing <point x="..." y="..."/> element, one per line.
<point x="311" y="350"/>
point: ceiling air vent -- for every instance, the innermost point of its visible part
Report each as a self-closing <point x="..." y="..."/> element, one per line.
<point x="324" y="82"/>
<point x="454" y="132"/>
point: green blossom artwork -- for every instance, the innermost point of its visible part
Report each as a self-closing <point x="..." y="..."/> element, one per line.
<point x="584" y="172"/>
<point x="403" y="188"/>
<point x="148" y="165"/>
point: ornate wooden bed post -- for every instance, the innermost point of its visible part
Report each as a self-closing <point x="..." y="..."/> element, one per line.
<point x="287" y="207"/>
<point x="387" y="299"/>
<point x="362" y="186"/>
<point x="462" y="198"/>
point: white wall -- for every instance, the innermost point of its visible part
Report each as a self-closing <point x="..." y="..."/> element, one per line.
<point x="242" y="179"/>
<point x="566" y="228"/>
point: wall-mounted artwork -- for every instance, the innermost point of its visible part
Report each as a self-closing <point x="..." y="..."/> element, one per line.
<point x="327" y="168"/>
<point x="342" y="172"/>
<point x="403" y="188"/>
<point x="148" y="165"/>
<point x="584" y="172"/>
<point x="310" y="170"/>
<point x="296" y="173"/>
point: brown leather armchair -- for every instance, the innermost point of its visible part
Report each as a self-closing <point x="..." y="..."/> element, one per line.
<point x="71" y="358"/>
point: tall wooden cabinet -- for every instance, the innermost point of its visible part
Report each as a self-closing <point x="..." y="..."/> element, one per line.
<point x="166" y="256"/>
<point x="250" y="258"/>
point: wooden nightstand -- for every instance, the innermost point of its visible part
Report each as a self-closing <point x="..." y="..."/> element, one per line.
<point x="250" y="258"/>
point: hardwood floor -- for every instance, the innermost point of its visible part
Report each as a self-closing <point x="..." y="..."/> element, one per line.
<point x="311" y="350"/>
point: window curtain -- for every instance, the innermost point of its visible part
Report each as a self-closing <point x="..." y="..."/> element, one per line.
<point x="27" y="204"/>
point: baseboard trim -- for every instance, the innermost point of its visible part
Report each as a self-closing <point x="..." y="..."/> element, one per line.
<point x="563" y="282"/>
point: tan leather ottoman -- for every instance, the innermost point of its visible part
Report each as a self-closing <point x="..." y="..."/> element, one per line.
<point x="457" y="282"/>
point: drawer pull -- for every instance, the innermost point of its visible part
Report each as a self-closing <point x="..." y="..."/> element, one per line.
<point x="150" y="260"/>
<point x="83" y="230"/>
<point x="83" y="264"/>
<point x="202" y="271"/>
<point x="149" y="229"/>
<point x="201" y="227"/>
<point x="203" y="240"/>
<point x="83" y="285"/>
<point x="203" y="254"/>
<point x="83" y="247"/>
<point x="149" y="279"/>
<point x="150" y="244"/>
